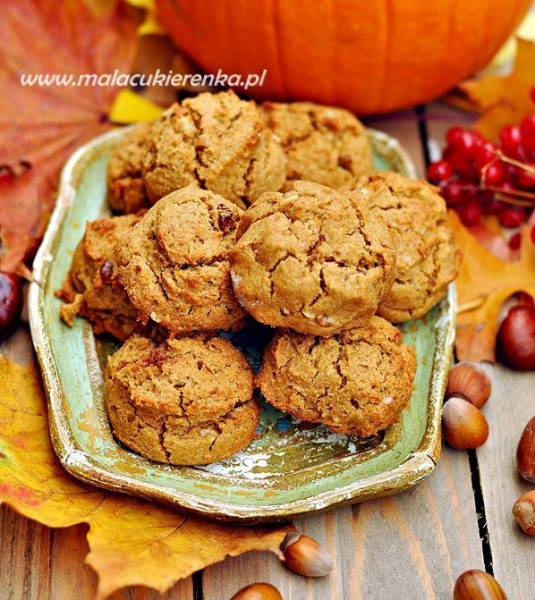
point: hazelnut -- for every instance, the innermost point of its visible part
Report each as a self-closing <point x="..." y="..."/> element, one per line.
<point x="524" y="512"/>
<point x="469" y="381"/>
<point x="463" y="424"/>
<point x="477" y="585"/>
<point x="305" y="556"/>
<point x="525" y="453"/>
<point x="516" y="338"/>
<point x="258" y="591"/>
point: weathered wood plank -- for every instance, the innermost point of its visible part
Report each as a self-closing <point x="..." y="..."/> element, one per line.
<point x="24" y="557"/>
<point x="413" y="545"/>
<point x="510" y="407"/>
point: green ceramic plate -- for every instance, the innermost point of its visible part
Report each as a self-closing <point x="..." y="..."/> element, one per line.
<point x="291" y="468"/>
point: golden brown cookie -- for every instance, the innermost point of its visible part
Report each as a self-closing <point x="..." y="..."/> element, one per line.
<point x="427" y="257"/>
<point x="356" y="382"/>
<point x="311" y="259"/>
<point x="175" y="266"/>
<point x="186" y="401"/>
<point x="126" y="188"/>
<point x="323" y="144"/>
<point x="218" y="142"/>
<point x="91" y="288"/>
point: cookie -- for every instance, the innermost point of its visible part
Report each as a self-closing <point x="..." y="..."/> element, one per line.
<point x="218" y="142"/>
<point x="91" y="289"/>
<point x="323" y="144"/>
<point x="427" y="258"/>
<point x="186" y="401"/>
<point x="312" y="260"/>
<point x="126" y="188"/>
<point x="175" y="266"/>
<point x="356" y="382"/>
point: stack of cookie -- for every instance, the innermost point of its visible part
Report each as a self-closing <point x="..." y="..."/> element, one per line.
<point x="271" y="213"/>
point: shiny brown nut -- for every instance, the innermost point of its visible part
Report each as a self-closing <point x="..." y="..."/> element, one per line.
<point x="516" y="338"/>
<point x="305" y="556"/>
<point x="258" y="591"/>
<point x="525" y="453"/>
<point x="468" y="380"/>
<point x="464" y="426"/>
<point x="477" y="585"/>
<point x="524" y="512"/>
<point x="10" y="302"/>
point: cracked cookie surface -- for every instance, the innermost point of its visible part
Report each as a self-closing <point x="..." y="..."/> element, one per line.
<point x="312" y="260"/>
<point x="91" y="289"/>
<point x="323" y="144"/>
<point x="218" y="142"/>
<point x="427" y="257"/>
<point x="186" y="401"/>
<point x="126" y="188"/>
<point x="356" y="382"/>
<point x="175" y="266"/>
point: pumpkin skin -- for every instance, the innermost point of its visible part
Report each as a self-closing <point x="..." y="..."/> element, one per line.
<point x="366" y="55"/>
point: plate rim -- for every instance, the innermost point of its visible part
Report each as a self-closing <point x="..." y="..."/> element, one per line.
<point x="416" y="467"/>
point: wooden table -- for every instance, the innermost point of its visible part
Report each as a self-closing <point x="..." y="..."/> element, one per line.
<point x="411" y="546"/>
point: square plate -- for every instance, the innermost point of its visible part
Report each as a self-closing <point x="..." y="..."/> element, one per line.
<point x="291" y="468"/>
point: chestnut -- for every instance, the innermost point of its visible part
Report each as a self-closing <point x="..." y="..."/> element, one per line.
<point x="10" y="302"/>
<point x="516" y="338"/>
<point x="469" y="381"/>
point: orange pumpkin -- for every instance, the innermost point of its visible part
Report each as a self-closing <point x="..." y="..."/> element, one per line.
<point x="367" y="55"/>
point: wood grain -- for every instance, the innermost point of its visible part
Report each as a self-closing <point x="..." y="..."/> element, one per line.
<point x="412" y="545"/>
<point x="509" y="409"/>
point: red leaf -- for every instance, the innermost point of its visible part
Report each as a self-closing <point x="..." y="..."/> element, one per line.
<point x="41" y="126"/>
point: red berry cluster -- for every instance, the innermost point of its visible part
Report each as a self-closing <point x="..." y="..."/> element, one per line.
<point x="479" y="177"/>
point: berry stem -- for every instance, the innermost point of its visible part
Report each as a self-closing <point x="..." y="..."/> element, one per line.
<point x="511" y="161"/>
<point x="512" y="196"/>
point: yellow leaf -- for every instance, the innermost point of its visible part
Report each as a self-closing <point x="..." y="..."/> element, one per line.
<point x="129" y="107"/>
<point x="151" y="25"/>
<point x="132" y="542"/>
<point x="507" y="52"/>
<point x="502" y="100"/>
<point x="486" y="281"/>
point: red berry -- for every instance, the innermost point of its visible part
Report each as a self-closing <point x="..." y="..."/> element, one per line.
<point x="532" y="234"/>
<point x="532" y="94"/>
<point x="514" y="241"/>
<point x="527" y="131"/>
<point x="470" y="213"/>
<point x="439" y="171"/>
<point x="511" y="217"/>
<point x="491" y="206"/>
<point x="493" y="174"/>
<point x="484" y="154"/>
<point x="454" y="135"/>
<point x="452" y="191"/>
<point x="526" y="180"/>
<point x="510" y="137"/>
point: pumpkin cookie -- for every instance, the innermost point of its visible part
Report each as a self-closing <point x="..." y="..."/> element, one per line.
<point x="322" y="144"/>
<point x="356" y="382"/>
<point x="217" y="141"/>
<point x="311" y="259"/>
<point x="427" y="258"/>
<point x="125" y="183"/>
<point x="91" y="288"/>
<point x="174" y="264"/>
<point x="187" y="401"/>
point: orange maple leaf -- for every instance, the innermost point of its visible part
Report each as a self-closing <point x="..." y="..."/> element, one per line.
<point x="501" y="100"/>
<point x="132" y="542"/>
<point x="40" y="126"/>
<point x="486" y="282"/>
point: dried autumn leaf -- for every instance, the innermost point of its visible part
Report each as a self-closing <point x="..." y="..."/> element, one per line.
<point x="486" y="281"/>
<point x="41" y="125"/>
<point x="132" y="542"/>
<point x="501" y="100"/>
